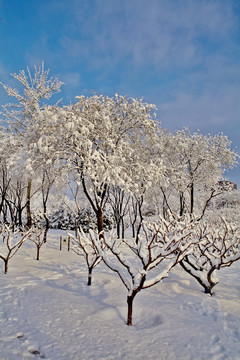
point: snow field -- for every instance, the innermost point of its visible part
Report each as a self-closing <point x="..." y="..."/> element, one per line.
<point x="47" y="311"/>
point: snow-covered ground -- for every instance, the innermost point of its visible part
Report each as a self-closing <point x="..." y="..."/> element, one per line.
<point x="48" y="311"/>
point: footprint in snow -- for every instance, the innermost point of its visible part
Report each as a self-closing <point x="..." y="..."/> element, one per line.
<point x="34" y="351"/>
<point x="21" y="336"/>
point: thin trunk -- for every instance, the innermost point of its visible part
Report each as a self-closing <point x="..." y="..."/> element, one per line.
<point x="207" y="288"/>
<point x="118" y="229"/>
<point x="47" y="226"/>
<point x="140" y="203"/>
<point x="28" y="204"/>
<point x="181" y="204"/>
<point x="90" y="269"/>
<point x="38" y="252"/>
<point x="133" y="230"/>
<point x="6" y="266"/>
<point x="99" y="214"/>
<point x="123" y="232"/>
<point x="209" y="277"/>
<point x="130" y="308"/>
<point x="130" y="299"/>
<point x="192" y="198"/>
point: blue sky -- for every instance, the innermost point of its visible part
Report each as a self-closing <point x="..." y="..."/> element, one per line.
<point x="182" y="55"/>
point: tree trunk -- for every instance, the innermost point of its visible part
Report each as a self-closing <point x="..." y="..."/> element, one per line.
<point x="47" y="226"/>
<point x="130" y="308"/>
<point x="192" y="199"/>
<point x="211" y="283"/>
<point x="140" y="203"/>
<point x="6" y="266"/>
<point x="118" y="229"/>
<point x="38" y="252"/>
<point x="133" y="230"/>
<point x="28" y="208"/>
<point x="207" y="288"/>
<point x="99" y="214"/>
<point x="181" y="203"/>
<point x="90" y="276"/>
<point x="123" y="232"/>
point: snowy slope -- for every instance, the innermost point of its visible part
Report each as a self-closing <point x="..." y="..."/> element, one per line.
<point x="48" y="311"/>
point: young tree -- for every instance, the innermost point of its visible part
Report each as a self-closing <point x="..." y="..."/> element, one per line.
<point x="220" y="247"/>
<point x="37" y="236"/>
<point x="10" y="243"/>
<point x="84" y="246"/>
<point x="162" y="242"/>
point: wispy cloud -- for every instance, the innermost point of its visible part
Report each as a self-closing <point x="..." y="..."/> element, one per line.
<point x="153" y="32"/>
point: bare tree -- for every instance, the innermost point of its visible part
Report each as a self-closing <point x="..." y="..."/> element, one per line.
<point x="11" y="243"/>
<point x="119" y="200"/>
<point x="37" y="236"/>
<point x="220" y="247"/>
<point x="163" y="242"/>
<point x="84" y="246"/>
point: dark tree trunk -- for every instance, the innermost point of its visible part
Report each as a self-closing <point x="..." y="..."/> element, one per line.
<point x="118" y="229"/>
<point x="133" y="230"/>
<point x="130" y="308"/>
<point x="123" y="232"/>
<point x="38" y="252"/>
<point x="99" y="214"/>
<point x="207" y="288"/>
<point x="19" y="217"/>
<point x="181" y="204"/>
<point x="6" y="266"/>
<point x="130" y="299"/>
<point x="140" y="203"/>
<point x="90" y="276"/>
<point x="28" y="207"/>
<point x="47" y="226"/>
<point x="192" y="198"/>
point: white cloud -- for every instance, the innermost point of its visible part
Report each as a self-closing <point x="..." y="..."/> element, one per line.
<point x="71" y="79"/>
<point x="209" y="112"/>
<point x="153" y="32"/>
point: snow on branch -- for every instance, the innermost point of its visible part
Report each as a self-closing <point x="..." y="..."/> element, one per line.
<point x="220" y="247"/>
<point x="163" y="241"/>
<point x="84" y="245"/>
<point x="10" y="243"/>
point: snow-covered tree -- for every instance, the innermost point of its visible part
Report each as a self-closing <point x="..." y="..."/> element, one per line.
<point x="38" y="237"/>
<point x="219" y="247"/>
<point x="83" y="245"/>
<point x="196" y="163"/>
<point x="10" y="243"/>
<point x="164" y="243"/>
<point x="104" y="141"/>
<point x="21" y="119"/>
<point x="13" y="195"/>
<point x="119" y="201"/>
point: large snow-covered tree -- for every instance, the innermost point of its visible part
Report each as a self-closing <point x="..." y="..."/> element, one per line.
<point x="106" y="141"/>
<point x="21" y="119"/>
<point x="196" y="163"/>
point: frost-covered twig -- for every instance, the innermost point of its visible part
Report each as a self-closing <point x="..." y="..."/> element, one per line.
<point x="84" y="245"/>
<point x="164" y="241"/>
<point x="12" y="241"/>
<point x="37" y="236"/>
<point x="219" y="247"/>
